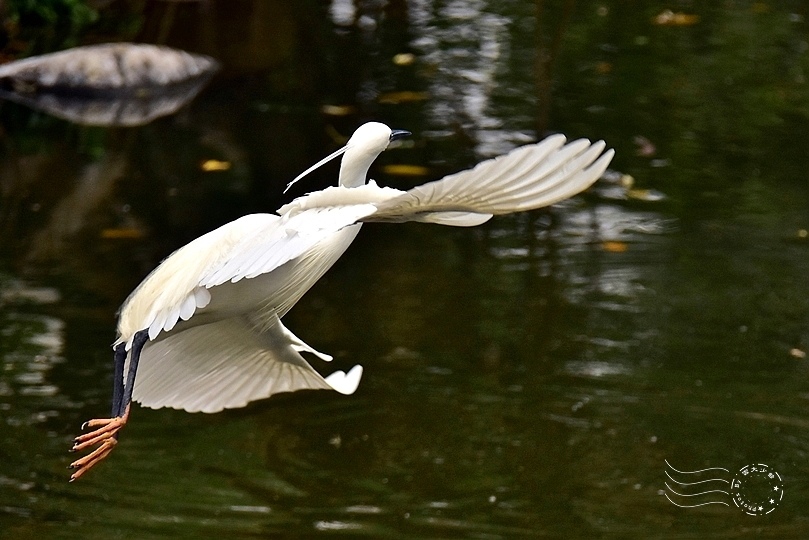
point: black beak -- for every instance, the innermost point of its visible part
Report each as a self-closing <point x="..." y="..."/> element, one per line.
<point x="399" y="134"/>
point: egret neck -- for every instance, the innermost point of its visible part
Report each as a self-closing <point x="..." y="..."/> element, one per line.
<point x="362" y="149"/>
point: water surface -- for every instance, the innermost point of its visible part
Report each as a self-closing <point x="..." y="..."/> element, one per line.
<point x="526" y="378"/>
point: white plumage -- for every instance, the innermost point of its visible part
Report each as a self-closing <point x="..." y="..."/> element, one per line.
<point x="213" y="309"/>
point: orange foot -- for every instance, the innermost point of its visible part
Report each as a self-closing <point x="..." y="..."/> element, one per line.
<point x="106" y="437"/>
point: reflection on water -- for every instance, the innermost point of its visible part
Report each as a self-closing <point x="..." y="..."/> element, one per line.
<point x="505" y="400"/>
<point x="32" y="344"/>
<point x="115" y="84"/>
<point x="526" y="378"/>
<point x="465" y="43"/>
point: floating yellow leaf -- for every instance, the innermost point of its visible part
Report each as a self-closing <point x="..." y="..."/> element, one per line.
<point x="404" y="96"/>
<point x="627" y="180"/>
<point x="670" y="18"/>
<point x="404" y="59"/>
<point x="648" y="195"/>
<point x="338" y="110"/>
<point x="405" y="170"/>
<point x="803" y="233"/>
<point x="210" y="165"/>
<point x="797" y="353"/>
<point x="613" y="246"/>
<point x="121" y="233"/>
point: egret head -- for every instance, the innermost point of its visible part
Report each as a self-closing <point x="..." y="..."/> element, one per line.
<point x="367" y="142"/>
<point x="373" y="138"/>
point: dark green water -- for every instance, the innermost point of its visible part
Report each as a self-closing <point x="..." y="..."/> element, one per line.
<point x="527" y="378"/>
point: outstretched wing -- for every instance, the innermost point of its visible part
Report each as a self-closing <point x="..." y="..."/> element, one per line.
<point x="289" y="238"/>
<point x="227" y="364"/>
<point x="245" y="248"/>
<point x="529" y="177"/>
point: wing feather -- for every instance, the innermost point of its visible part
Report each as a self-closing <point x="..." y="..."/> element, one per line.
<point x="527" y="178"/>
<point x="245" y="248"/>
<point x="227" y="364"/>
<point x="290" y="237"/>
<point x="171" y="320"/>
<point x="551" y="172"/>
<point x="189" y="306"/>
<point x="562" y="174"/>
<point x="455" y="219"/>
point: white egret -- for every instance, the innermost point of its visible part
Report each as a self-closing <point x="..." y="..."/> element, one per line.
<point x="203" y="331"/>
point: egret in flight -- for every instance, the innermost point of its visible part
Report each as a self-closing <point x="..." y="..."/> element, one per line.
<point x="203" y="331"/>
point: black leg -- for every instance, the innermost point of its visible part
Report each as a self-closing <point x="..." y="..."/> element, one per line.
<point x="118" y="379"/>
<point x="137" y="346"/>
<point x="105" y="436"/>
